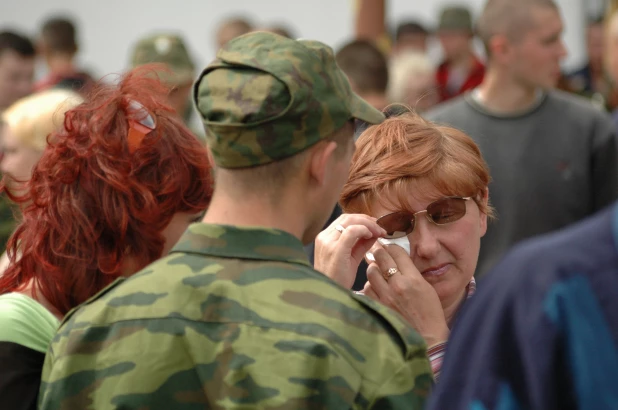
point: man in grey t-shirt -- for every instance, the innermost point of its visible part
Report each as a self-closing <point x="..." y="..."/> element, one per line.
<point x="552" y="156"/>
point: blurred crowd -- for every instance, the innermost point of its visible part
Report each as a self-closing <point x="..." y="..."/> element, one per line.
<point x="297" y="226"/>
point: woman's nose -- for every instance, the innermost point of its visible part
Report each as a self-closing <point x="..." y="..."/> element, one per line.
<point x="423" y="239"/>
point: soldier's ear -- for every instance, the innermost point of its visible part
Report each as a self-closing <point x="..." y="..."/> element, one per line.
<point x="321" y="156"/>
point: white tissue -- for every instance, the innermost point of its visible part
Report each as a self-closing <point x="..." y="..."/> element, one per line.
<point x="403" y="242"/>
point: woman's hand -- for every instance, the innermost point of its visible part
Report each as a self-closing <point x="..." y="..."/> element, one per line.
<point x="406" y="292"/>
<point x="338" y="254"/>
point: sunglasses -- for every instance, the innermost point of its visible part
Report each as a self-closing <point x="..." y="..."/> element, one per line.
<point x="441" y="212"/>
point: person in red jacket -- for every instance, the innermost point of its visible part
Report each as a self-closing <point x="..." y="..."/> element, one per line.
<point x="461" y="70"/>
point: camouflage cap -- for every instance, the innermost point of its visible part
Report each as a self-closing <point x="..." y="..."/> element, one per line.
<point x="168" y="49"/>
<point x="267" y="97"/>
<point x="455" y="18"/>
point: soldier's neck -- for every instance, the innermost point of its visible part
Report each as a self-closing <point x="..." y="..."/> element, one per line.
<point x="254" y="212"/>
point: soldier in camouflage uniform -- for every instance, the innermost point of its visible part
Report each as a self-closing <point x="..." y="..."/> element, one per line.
<point x="235" y="317"/>
<point x="170" y="50"/>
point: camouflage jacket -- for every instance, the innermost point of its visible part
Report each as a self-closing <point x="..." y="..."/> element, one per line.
<point x="234" y="318"/>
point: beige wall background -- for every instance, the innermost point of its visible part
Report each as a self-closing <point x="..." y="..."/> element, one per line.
<point x="107" y="29"/>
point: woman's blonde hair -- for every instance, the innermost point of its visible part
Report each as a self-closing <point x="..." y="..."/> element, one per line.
<point x="403" y="68"/>
<point x="33" y="118"/>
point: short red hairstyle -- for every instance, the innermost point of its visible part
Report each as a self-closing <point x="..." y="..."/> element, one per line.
<point x="406" y="148"/>
<point x="92" y="200"/>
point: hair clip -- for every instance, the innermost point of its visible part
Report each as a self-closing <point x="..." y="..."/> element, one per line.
<point x="396" y="109"/>
<point x="359" y="127"/>
<point x="393" y="110"/>
<point x="141" y="123"/>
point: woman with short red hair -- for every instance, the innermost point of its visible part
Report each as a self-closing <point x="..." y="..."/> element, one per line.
<point x="114" y="190"/>
<point x="426" y="186"/>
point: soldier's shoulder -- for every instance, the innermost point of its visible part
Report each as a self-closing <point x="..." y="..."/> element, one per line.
<point x="351" y="314"/>
<point x="136" y="294"/>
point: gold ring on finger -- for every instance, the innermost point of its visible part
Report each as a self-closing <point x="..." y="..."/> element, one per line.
<point x="391" y="272"/>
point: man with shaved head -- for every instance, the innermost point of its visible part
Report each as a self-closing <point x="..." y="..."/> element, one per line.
<point x="552" y="156"/>
<point x="541" y="333"/>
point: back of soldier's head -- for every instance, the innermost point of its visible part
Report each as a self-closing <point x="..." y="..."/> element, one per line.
<point x="58" y="35"/>
<point x="267" y="100"/>
<point x="365" y="65"/>
<point x="512" y="19"/>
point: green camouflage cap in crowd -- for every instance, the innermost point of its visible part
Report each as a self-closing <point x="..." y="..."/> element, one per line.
<point x="168" y="49"/>
<point x="456" y="18"/>
<point x="267" y="97"/>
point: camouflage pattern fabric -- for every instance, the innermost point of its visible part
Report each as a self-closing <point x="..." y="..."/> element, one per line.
<point x="234" y="318"/>
<point x="267" y="97"/>
<point x="168" y="49"/>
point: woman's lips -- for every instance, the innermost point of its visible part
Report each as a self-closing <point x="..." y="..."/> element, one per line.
<point x="436" y="270"/>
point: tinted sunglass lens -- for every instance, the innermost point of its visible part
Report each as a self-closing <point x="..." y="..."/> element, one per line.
<point x="397" y="225"/>
<point x="447" y="210"/>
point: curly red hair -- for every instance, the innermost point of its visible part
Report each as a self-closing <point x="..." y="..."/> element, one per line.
<point x="91" y="202"/>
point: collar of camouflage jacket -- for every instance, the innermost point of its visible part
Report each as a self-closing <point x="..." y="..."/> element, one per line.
<point x="242" y="243"/>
